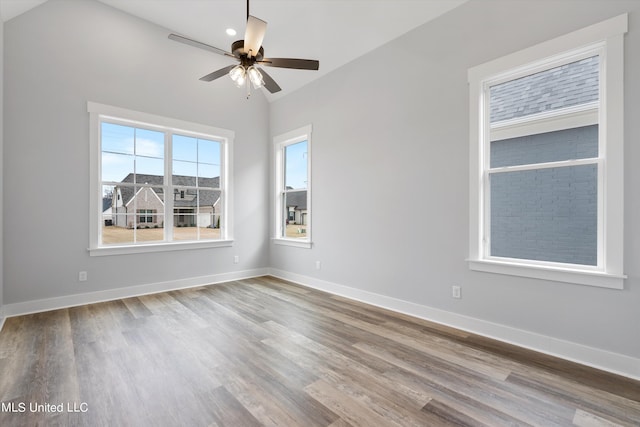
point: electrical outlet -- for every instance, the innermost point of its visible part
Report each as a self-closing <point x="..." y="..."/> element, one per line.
<point x="318" y="265"/>
<point x="82" y="276"/>
<point x="236" y="259"/>
<point x="456" y="292"/>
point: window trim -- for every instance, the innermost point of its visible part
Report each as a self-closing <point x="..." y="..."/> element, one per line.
<point x="98" y="112"/>
<point x="609" y="37"/>
<point x="280" y="143"/>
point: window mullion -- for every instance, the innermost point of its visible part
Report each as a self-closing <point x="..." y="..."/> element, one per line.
<point x="168" y="187"/>
<point x="135" y="188"/>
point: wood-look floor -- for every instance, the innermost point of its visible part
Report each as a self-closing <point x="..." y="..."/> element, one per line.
<point x="264" y="352"/>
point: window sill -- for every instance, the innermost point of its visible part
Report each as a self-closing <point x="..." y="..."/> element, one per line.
<point x="157" y="247"/>
<point x="557" y="274"/>
<point x="290" y="242"/>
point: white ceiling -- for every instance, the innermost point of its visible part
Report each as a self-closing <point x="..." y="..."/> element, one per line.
<point x="12" y="8"/>
<point x="332" y="31"/>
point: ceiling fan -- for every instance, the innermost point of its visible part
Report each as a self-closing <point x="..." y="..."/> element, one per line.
<point x="249" y="52"/>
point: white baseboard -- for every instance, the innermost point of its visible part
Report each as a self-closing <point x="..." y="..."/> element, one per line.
<point x="597" y="358"/>
<point x="601" y="359"/>
<point x="37" y="306"/>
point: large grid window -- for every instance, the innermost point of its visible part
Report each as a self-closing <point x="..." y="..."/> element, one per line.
<point x="158" y="182"/>
<point x="293" y="187"/>
<point x="546" y="160"/>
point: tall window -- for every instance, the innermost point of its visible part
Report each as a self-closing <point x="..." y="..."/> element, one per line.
<point x="293" y="187"/>
<point x="157" y="182"/>
<point x="546" y="160"/>
<point x="542" y="196"/>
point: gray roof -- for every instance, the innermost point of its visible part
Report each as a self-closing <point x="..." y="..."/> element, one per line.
<point x="207" y="198"/>
<point x="565" y="86"/>
<point x="106" y="203"/>
<point x="297" y="199"/>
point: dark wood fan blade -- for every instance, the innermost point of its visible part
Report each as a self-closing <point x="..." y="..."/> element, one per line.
<point x="217" y="74"/>
<point x="191" y="42"/>
<point x="253" y="35"/>
<point x="298" y="64"/>
<point x="269" y="83"/>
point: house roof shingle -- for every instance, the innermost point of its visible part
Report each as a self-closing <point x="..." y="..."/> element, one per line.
<point x="207" y="197"/>
<point x="565" y="86"/>
<point x="297" y="199"/>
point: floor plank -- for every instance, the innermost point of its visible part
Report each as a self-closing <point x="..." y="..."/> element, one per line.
<point x="266" y="352"/>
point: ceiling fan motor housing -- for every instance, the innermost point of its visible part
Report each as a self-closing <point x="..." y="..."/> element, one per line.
<point x="237" y="48"/>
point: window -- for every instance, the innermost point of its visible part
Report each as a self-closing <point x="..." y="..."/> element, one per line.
<point x="146" y="216"/>
<point x="293" y="188"/>
<point x="546" y="159"/>
<point x="157" y="183"/>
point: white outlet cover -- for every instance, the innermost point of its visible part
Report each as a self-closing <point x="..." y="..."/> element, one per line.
<point x="456" y="292"/>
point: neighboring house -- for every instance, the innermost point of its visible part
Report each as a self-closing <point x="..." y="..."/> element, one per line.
<point x="533" y="214"/>
<point x="144" y="207"/>
<point x="107" y="210"/>
<point x="297" y="207"/>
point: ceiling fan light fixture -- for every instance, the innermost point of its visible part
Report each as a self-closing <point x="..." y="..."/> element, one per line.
<point x="247" y="52"/>
<point x="238" y="75"/>
<point x="256" y="77"/>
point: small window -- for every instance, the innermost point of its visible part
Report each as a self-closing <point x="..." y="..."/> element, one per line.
<point x="546" y="133"/>
<point x="293" y="192"/>
<point x="145" y="216"/>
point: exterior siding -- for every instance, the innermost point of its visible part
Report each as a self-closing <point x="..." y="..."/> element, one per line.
<point x="146" y="198"/>
<point x="546" y="214"/>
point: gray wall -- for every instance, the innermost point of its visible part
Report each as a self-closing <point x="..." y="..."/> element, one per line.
<point x="390" y="174"/>
<point x="62" y="54"/>
<point x="390" y="161"/>
<point x="1" y="161"/>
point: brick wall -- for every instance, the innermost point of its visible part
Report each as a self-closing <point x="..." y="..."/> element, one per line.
<point x="546" y="214"/>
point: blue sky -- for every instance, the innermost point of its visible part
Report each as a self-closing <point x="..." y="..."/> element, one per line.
<point x="124" y="146"/>
<point x="296" y="165"/>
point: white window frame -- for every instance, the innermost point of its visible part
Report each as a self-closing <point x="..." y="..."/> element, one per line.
<point x="607" y="39"/>
<point x="280" y="143"/>
<point x="101" y="112"/>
